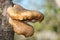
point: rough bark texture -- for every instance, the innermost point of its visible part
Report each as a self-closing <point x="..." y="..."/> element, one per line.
<point x="6" y="32"/>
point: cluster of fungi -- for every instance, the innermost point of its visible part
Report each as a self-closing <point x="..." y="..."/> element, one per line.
<point x="18" y="16"/>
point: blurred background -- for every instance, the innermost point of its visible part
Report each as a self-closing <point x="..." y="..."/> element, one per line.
<point x="49" y="28"/>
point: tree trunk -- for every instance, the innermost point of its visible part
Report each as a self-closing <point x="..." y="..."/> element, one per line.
<point x="6" y="32"/>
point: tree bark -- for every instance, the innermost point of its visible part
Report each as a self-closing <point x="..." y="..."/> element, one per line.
<point x="6" y="32"/>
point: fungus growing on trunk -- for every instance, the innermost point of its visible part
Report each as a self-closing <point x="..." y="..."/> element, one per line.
<point x="18" y="14"/>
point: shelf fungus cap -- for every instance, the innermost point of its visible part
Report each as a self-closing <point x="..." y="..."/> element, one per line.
<point x="19" y="13"/>
<point x="21" y="28"/>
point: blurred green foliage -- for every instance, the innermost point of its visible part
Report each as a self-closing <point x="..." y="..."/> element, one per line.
<point x="50" y="21"/>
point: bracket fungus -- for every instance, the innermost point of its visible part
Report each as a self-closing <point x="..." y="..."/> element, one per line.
<point x="18" y="15"/>
<point x="21" y="28"/>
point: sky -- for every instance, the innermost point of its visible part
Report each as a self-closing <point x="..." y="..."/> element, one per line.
<point x="29" y="4"/>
